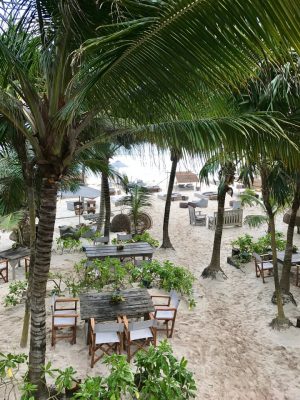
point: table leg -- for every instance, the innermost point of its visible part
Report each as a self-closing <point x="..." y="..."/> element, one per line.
<point x="13" y="264"/>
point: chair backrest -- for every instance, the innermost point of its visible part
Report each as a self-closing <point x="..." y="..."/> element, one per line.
<point x="109" y="327"/>
<point x="103" y="239"/>
<point x="175" y="299"/>
<point x="124" y="237"/>
<point x="192" y="214"/>
<point x="134" y="326"/>
<point x="69" y="303"/>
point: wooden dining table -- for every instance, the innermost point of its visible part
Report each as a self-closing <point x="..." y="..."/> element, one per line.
<point x="139" y="249"/>
<point x="137" y="303"/>
<point x="295" y="262"/>
<point x="14" y="256"/>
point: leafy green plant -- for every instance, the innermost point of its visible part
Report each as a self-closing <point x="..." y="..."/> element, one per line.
<point x="16" y="291"/>
<point x="160" y="375"/>
<point x="68" y="244"/>
<point x="263" y="244"/>
<point x="245" y="245"/>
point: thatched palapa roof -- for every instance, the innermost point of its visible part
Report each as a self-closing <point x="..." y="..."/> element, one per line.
<point x="186" y="177"/>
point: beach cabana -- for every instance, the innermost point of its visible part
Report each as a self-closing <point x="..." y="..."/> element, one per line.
<point x="186" y="179"/>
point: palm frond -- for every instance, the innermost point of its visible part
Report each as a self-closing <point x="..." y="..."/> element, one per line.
<point x="254" y="221"/>
<point x="11" y="221"/>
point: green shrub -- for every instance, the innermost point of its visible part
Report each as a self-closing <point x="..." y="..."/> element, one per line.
<point x="16" y="293"/>
<point x="68" y="244"/>
<point x="263" y="244"/>
<point x="245" y="245"/>
<point x="157" y="374"/>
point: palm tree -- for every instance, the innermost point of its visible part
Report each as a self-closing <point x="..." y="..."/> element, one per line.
<point x="287" y="262"/>
<point x="79" y="75"/>
<point x="226" y="175"/>
<point x="166" y="244"/>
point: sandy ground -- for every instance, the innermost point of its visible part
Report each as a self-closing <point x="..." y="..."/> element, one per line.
<point x="230" y="347"/>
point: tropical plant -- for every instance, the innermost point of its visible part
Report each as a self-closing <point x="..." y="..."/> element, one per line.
<point x="245" y="246"/>
<point x="157" y="374"/>
<point x="138" y="199"/>
<point x="16" y="293"/>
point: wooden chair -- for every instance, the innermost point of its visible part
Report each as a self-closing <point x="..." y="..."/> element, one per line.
<point x="64" y="318"/>
<point x="107" y="337"/>
<point x="262" y="265"/>
<point x="297" y="274"/>
<point x="123" y="238"/>
<point x="139" y="334"/>
<point x="167" y="312"/>
<point x="4" y="269"/>
<point x="196" y="218"/>
<point x="100" y="240"/>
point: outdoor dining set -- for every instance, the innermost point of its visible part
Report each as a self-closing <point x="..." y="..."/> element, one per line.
<point x="130" y="324"/>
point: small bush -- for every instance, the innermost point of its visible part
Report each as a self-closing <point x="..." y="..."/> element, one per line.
<point x="16" y="293"/>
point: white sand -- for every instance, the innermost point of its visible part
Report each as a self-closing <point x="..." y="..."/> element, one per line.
<point x="232" y="351"/>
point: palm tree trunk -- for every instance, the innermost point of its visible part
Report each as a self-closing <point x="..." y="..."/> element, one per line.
<point x="100" y="220"/>
<point x="41" y="269"/>
<point x="280" y="321"/>
<point x="166" y="244"/>
<point x="215" y="265"/>
<point x="31" y="206"/>
<point x="287" y="262"/>
<point x="107" y="204"/>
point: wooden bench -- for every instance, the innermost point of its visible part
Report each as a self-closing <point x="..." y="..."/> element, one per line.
<point x="231" y="218"/>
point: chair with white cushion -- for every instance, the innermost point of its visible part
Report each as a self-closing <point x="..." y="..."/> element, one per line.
<point x="139" y="334"/>
<point x="107" y="337"/>
<point x="64" y="319"/>
<point x="167" y="311"/>
<point x="263" y="265"/>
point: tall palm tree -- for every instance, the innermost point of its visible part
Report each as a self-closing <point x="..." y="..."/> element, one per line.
<point x="226" y="175"/>
<point x="166" y="244"/>
<point x="141" y="47"/>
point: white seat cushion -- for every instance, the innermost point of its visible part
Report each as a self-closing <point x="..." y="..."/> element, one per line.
<point x="2" y="267"/>
<point x="267" y="265"/>
<point x="107" y="337"/>
<point x="165" y="314"/>
<point x="141" y="334"/>
<point x="64" y="321"/>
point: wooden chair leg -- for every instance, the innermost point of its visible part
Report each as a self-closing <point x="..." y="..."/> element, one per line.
<point x="297" y="277"/>
<point x="262" y="275"/>
<point x="172" y="328"/>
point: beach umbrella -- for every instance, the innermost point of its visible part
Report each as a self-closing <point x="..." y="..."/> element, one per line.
<point x="287" y="215"/>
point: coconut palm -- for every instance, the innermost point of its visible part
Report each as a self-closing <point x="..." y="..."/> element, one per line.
<point x="226" y="173"/>
<point x="166" y="244"/>
<point x="141" y="47"/>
